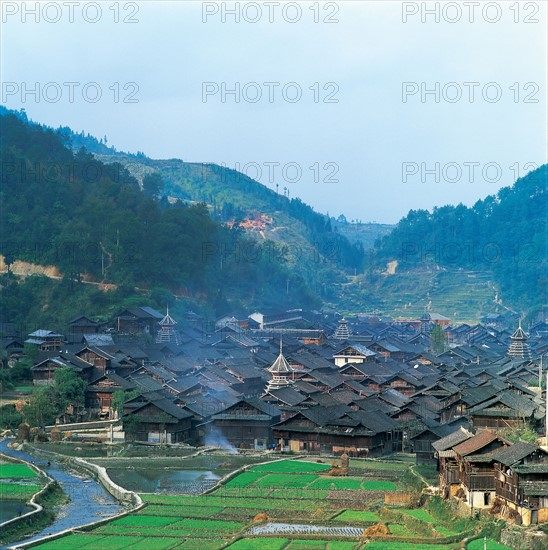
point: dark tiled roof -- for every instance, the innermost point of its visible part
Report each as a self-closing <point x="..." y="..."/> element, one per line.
<point x="288" y="396"/>
<point x="514" y="453"/>
<point x="479" y="441"/>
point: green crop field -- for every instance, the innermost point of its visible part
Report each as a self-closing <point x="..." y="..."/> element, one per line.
<point x="259" y="543"/>
<point x="259" y="504"/>
<point x="288" y="491"/>
<point x="244" y="479"/>
<point x="307" y="545"/>
<point x="180" y="511"/>
<point x="17" y="491"/>
<point x="352" y="483"/>
<point x="420" y="514"/>
<point x="378" y="545"/>
<point x="8" y="470"/>
<point x="311" y="492"/>
<point x="72" y="541"/>
<point x="491" y="545"/>
<point x="400" y="530"/>
<point x="444" y="532"/>
<point x="358" y="516"/>
<point x="158" y="543"/>
<point x="291" y="466"/>
<point x="182" y="527"/>
<point x="286" y="480"/>
<point x="145" y="521"/>
<point x="91" y="542"/>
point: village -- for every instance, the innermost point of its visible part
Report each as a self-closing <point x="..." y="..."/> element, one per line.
<point x="318" y="384"/>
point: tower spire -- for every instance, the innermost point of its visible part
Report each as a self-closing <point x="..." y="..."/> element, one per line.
<point x="280" y="371"/>
<point x="519" y="348"/>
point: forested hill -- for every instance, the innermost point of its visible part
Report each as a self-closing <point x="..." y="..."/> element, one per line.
<point x="233" y="196"/>
<point x="92" y="220"/>
<point x="505" y="234"/>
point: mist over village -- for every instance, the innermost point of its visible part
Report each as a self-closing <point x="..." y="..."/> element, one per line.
<point x="273" y="275"/>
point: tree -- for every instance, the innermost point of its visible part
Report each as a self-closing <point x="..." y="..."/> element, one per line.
<point x="121" y="397"/>
<point x="69" y="388"/>
<point x="9" y="259"/>
<point x="41" y="408"/>
<point x="437" y="339"/>
<point x="153" y="184"/>
<point x="131" y="425"/>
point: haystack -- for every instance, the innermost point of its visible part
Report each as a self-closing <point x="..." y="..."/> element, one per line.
<point x="379" y="529"/>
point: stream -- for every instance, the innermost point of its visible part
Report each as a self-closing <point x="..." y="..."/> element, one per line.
<point x="89" y="501"/>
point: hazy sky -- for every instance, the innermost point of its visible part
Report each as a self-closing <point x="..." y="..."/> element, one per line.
<point x="386" y="99"/>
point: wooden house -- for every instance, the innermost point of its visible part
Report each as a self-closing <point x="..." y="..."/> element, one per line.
<point x="83" y="325"/>
<point x="46" y="340"/>
<point x="138" y="320"/>
<point x="521" y="481"/>
<point x="246" y="424"/>
<point x="100" y="394"/>
<point x="448" y="469"/>
<point x="336" y="429"/>
<point x="475" y="463"/>
<point x="43" y="372"/>
<point x="153" y="418"/>
<point x="505" y="410"/>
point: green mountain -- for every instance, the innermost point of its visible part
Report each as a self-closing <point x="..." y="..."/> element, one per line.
<point x="90" y="227"/>
<point x="499" y="247"/>
<point x="121" y="228"/>
<point x="107" y="242"/>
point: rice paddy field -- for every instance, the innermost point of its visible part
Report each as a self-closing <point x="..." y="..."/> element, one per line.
<point x="18" y="483"/>
<point x="292" y="504"/>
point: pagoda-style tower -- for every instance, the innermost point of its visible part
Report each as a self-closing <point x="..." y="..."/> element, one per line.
<point x="425" y="321"/>
<point x="342" y="332"/>
<point x="280" y="371"/>
<point x="519" y="348"/>
<point x="167" y="333"/>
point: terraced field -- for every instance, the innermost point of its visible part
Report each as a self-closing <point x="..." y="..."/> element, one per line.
<point x="283" y="505"/>
<point x="18" y="482"/>
<point x="15" y="471"/>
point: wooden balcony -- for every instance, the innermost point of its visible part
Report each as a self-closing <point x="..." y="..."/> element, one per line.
<point x="479" y="482"/>
<point x="451" y="476"/>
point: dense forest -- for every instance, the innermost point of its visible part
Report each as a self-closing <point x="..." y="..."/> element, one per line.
<point x="92" y="221"/>
<point x="505" y="234"/>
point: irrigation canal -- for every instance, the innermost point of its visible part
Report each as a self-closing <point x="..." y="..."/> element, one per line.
<point x="89" y="501"/>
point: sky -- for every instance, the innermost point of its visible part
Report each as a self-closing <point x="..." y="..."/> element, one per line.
<point x="363" y="108"/>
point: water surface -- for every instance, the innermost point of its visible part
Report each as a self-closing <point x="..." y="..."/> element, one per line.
<point x="10" y="509"/>
<point x="190" y="482"/>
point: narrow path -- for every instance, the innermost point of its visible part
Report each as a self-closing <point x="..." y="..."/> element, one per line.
<point x="432" y="489"/>
<point x="89" y="501"/>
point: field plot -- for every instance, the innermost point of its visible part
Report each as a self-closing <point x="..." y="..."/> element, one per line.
<point x="421" y="514"/>
<point x="167" y="527"/>
<point x="359" y="516"/>
<point x="281" y="505"/>
<point x="16" y="471"/>
<point x="491" y="545"/>
<point x="378" y="545"/>
<point x="286" y="480"/>
<point x="17" y="491"/>
<point x="263" y="544"/>
<point x="291" y="466"/>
